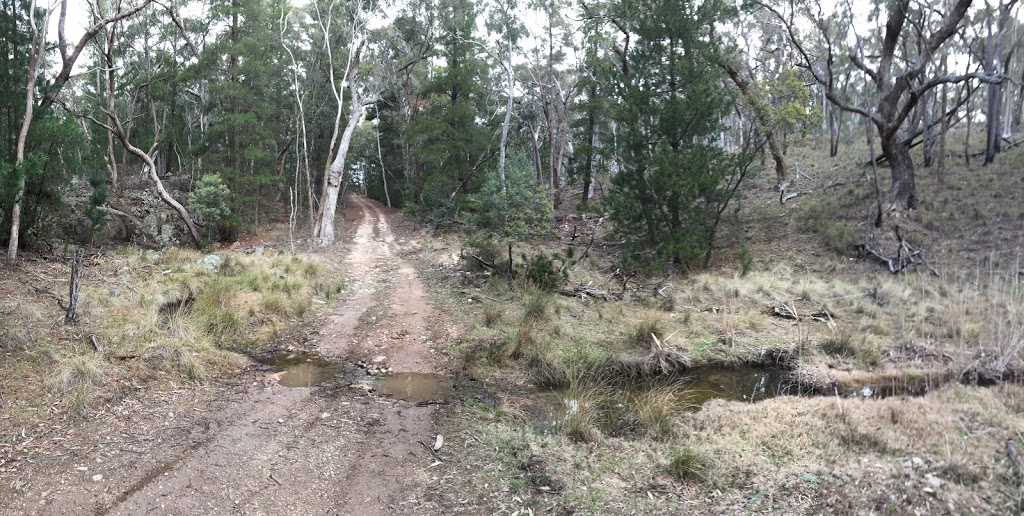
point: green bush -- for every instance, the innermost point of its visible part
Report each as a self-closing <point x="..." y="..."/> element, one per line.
<point x="516" y="210"/>
<point x="210" y="205"/>
<point x="548" y="272"/>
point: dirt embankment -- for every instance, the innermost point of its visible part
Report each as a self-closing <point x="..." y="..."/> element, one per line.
<point x="250" y="445"/>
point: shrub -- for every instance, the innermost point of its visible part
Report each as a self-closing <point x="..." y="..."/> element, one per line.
<point x="514" y="210"/>
<point x="548" y="272"/>
<point x="209" y="204"/>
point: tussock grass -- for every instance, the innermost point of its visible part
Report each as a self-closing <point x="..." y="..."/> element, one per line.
<point x="685" y="463"/>
<point x="537" y="306"/>
<point x="647" y="331"/>
<point x="78" y="372"/>
<point x="493" y="314"/>
<point x="160" y="317"/>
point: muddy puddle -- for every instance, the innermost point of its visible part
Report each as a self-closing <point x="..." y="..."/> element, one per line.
<point x="415" y="387"/>
<point x="612" y="406"/>
<point x="302" y="369"/>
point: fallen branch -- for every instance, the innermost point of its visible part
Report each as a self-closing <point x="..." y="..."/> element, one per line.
<point x="483" y="262"/>
<point x="786" y="311"/>
<point x="906" y="256"/>
<point x="431" y="450"/>
<point x="586" y="292"/>
<point x="96" y="343"/>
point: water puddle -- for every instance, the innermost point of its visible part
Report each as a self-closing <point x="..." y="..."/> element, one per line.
<point x="415" y="387"/>
<point x="613" y="407"/>
<point x="734" y="383"/>
<point x="302" y="369"/>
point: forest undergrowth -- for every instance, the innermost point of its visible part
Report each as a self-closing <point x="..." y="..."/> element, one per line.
<point x="902" y="390"/>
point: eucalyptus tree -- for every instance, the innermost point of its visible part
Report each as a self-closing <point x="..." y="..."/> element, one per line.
<point x="363" y="91"/>
<point x="555" y="87"/>
<point x="912" y="35"/>
<point x="39" y="24"/>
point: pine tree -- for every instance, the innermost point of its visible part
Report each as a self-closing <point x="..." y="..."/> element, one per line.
<point x="675" y="183"/>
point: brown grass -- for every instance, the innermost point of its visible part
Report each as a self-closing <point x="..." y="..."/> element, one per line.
<point x="160" y="318"/>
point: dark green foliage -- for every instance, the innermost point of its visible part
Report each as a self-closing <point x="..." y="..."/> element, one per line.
<point x="746" y="260"/>
<point x="548" y="272"/>
<point x="209" y="201"/>
<point x="98" y="197"/>
<point x="668" y="199"/>
<point x="210" y="205"/>
<point x="449" y="142"/>
<point x="518" y="209"/>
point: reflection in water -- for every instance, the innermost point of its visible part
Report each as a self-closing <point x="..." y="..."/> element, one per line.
<point x="302" y="369"/>
<point x="607" y="404"/>
<point x="416" y="387"/>
<point x="308" y="374"/>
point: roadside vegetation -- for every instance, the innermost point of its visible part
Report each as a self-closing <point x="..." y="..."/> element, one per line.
<point x="146" y="319"/>
<point x="903" y="390"/>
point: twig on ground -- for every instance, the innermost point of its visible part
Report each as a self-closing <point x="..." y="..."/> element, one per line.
<point x="431" y="450"/>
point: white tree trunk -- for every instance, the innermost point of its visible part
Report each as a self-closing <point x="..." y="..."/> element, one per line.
<point x="336" y="176"/>
<point x="380" y="158"/>
<point x="508" y="119"/>
<point x="36" y="59"/>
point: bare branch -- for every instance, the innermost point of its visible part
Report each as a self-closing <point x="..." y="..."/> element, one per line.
<point x="68" y="59"/>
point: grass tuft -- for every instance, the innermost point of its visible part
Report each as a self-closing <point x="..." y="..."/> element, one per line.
<point x="685" y="464"/>
<point x="647" y="331"/>
<point x="493" y="314"/>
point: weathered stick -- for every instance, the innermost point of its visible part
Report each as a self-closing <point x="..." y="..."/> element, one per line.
<point x="76" y="265"/>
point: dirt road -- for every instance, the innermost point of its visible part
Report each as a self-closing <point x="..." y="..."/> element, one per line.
<point x="254" y="446"/>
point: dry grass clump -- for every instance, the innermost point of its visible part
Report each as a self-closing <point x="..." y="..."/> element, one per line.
<point x="537" y="306"/>
<point x="159" y="317"/>
<point x="493" y="314"/>
<point x="76" y="381"/>
<point x="685" y="464"/>
<point x="647" y="331"/>
<point x="653" y="410"/>
<point x="839" y="345"/>
<point x="583" y="402"/>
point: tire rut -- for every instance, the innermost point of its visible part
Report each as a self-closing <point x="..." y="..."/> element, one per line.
<point x="280" y="450"/>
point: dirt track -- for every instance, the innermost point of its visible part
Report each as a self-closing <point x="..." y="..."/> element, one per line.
<point x="253" y="446"/>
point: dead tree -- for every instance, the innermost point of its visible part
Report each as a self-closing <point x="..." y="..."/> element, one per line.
<point x="899" y="78"/>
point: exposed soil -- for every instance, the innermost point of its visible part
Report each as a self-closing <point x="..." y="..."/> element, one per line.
<point x="251" y="445"/>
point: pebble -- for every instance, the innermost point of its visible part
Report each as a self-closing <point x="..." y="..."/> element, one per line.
<point x="97" y="478"/>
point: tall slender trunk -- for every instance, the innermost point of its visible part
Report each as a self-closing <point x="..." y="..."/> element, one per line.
<point x="36" y="60"/>
<point x="336" y="176"/>
<point x="928" y="135"/>
<point x="588" y="167"/>
<point x="941" y="166"/>
<point x="108" y="49"/>
<point x="380" y="158"/>
<point x="507" y="121"/>
<point x="310" y="198"/>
